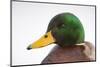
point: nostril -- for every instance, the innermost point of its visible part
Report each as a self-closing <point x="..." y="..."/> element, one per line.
<point x="46" y="36"/>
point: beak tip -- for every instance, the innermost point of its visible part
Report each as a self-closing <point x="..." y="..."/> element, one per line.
<point x="28" y="48"/>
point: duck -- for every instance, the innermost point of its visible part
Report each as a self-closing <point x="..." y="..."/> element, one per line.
<point x="67" y="32"/>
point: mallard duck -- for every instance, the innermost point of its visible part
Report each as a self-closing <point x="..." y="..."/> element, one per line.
<point x="67" y="31"/>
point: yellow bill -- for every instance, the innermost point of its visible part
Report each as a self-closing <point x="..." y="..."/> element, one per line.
<point x="43" y="41"/>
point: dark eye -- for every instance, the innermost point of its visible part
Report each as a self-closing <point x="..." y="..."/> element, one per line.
<point x="60" y="25"/>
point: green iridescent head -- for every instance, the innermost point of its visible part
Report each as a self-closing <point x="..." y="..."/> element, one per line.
<point x="67" y="29"/>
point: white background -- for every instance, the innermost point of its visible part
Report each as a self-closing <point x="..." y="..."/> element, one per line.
<point x="30" y="21"/>
<point x="5" y="33"/>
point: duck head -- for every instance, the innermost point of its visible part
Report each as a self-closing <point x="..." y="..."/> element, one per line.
<point x="64" y="29"/>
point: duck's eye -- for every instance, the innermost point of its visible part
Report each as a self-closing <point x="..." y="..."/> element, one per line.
<point x="46" y="36"/>
<point x="61" y="25"/>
